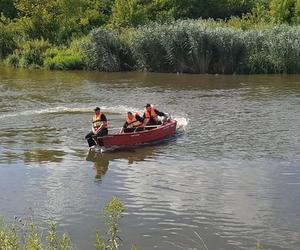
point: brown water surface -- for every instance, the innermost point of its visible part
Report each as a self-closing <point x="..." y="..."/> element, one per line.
<point x="229" y="179"/>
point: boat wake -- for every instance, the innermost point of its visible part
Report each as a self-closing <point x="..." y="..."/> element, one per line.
<point x="65" y="110"/>
<point x="182" y="122"/>
<point x="55" y="110"/>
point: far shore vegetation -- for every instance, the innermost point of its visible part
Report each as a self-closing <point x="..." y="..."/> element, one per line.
<point x="184" y="36"/>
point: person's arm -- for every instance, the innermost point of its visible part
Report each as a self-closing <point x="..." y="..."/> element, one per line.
<point x="140" y="119"/>
<point x="146" y="120"/>
<point x="159" y="113"/>
<point x="125" y="125"/>
<point x="93" y="129"/>
<point x="104" y="120"/>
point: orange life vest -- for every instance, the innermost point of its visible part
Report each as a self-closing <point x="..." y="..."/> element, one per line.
<point x="133" y="123"/>
<point x="151" y="114"/>
<point x="97" y="122"/>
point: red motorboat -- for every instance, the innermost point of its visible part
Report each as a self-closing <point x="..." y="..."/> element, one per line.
<point x="150" y="135"/>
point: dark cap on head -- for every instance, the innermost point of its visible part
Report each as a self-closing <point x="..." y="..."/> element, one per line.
<point x="97" y="109"/>
<point x="148" y="105"/>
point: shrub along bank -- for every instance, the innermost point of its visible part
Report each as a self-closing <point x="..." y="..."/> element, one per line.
<point x="187" y="46"/>
<point x="196" y="46"/>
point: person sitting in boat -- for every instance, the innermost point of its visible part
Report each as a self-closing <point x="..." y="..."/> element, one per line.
<point x="99" y="128"/>
<point x="151" y="115"/>
<point x="134" y="122"/>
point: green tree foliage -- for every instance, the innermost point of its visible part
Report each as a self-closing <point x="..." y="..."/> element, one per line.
<point x="7" y="39"/>
<point x="283" y="11"/>
<point x="160" y="10"/>
<point x="7" y="8"/>
<point x="212" y="8"/>
<point x="38" y="18"/>
<point x="58" y="21"/>
<point x="78" y="17"/>
<point x="144" y="35"/>
<point x="297" y="12"/>
<point x="127" y="13"/>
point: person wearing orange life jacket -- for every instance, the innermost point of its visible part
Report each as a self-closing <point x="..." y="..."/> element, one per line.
<point x="99" y="128"/>
<point x="133" y="123"/>
<point x="151" y="115"/>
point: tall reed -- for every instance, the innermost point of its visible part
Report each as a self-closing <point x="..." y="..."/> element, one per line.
<point x="196" y="46"/>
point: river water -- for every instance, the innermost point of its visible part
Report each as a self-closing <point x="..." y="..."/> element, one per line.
<point x="229" y="179"/>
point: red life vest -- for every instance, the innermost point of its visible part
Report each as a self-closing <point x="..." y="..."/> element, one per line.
<point x="152" y="114"/>
<point x="133" y="123"/>
<point x="97" y="122"/>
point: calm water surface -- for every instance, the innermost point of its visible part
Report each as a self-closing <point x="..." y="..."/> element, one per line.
<point x="230" y="180"/>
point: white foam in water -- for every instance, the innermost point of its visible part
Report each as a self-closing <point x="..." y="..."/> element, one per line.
<point x="59" y="109"/>
<point x="182" y="122"/>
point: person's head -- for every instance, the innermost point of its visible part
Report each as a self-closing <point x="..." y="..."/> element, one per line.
<point x="129" y="115"/>
<point x="97" y="110"/>
<point x="148" y="107"/>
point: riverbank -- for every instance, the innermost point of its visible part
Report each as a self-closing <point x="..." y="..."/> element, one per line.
<point x="190" y="46"/>
<point x="219" y="37"/>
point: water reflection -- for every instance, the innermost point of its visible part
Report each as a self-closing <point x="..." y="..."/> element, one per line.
<point x="101" y="163"/>
<point x="101" y="160"/>
<point x="42" y="156"/>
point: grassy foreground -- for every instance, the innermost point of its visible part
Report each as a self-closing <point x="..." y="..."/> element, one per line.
<point x="27" y="236"/>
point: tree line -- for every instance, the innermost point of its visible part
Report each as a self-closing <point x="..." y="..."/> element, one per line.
<point x="57" y="33"/>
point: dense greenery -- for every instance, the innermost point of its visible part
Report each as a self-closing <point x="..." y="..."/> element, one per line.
<point x="196" y="47"/>
<point x="217" y="36"/>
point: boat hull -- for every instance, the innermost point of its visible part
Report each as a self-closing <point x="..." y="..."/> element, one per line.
<point x="142" y="137"/>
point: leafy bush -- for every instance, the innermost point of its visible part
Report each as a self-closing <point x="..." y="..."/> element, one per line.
<point x="105" y="51"/>
<point x="7" y="40"/>
<point x="63" y="59"/>
<point x="274" y="50"/>
<point x="31" y="53"/>
<point x="198" y="46"/>
<point x="12" y="60"/>
<point x="187" y="46"/>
